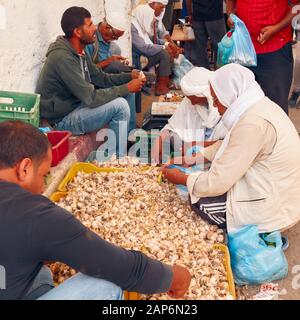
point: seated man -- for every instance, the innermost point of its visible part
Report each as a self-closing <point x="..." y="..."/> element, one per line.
<point x="44" y="232"/>
<point x="105" y="52"/>
<point x="255" y="172"/>
<point x="150" y="39"/>
<point x="75" y="94"/>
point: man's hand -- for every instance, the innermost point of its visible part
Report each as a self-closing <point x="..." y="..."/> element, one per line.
<point x="172" y="54"/>
<point x="181" y="282"/>
<point x="135" y="85"/>
<point x="230" y="23"/>
<point x="135" y="74"/>
<point x="175" y="49"/>
<point x="267" y="33"/>
<point x="116" y="58"/>
<point x="105" y="63"/>
<point x="175" y="176"/>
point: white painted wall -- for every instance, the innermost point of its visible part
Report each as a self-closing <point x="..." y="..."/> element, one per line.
<point x="31" y="25"/>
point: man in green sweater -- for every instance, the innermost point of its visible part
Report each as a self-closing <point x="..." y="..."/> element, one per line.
<point x="76" y="95"/>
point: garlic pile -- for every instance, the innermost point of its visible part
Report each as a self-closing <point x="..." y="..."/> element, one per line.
<point x="133" y="210"/>
<point x="126" y="162"/>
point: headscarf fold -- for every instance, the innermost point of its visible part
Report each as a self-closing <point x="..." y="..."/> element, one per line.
<point x="143" y="18"/>
<point x="189" y="122"/>
<point x="116" y="20"/>
<point x="196" y="83"/>
<point x="237" y="90"/>
<point x="165" y="2"/>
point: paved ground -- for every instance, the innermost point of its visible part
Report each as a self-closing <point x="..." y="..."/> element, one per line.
<point x="289" y="287"/>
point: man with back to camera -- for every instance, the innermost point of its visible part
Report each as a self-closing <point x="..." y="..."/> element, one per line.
<point x="77" y="96"/>
<point x="34" y="230"/>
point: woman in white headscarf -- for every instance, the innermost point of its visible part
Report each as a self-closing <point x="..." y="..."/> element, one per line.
<point x="255" y="172"/>
<point x="150" y="39"/>
<point x="196" y="120"/>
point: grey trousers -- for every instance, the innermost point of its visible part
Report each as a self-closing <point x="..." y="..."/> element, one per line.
<point x="215" y="30"/>
<point x="163" y="59"/>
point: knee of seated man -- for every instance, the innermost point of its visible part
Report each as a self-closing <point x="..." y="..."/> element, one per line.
<point x="122" y="107"/>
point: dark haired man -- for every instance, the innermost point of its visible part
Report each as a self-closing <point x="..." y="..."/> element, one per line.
<point x="33" y="230"/>
<point x="75" y="94"/>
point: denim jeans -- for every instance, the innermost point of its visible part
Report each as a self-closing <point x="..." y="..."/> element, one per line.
<point x="85" y="120"/>
<point x="79" y="287"/>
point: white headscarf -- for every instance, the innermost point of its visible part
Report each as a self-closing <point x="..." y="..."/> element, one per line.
<point x="190" y="122"/>
<point x="116" y="20"/>
<point x="196" y="83"/>
<point x="143" y="18"/>
<point x="237" y="90"/>
<point x="165" y="2"/>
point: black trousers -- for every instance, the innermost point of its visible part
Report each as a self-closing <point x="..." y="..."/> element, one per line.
<point x="212" y="210"/>
<point x="215" y="30"/>
<point x="274" y="73"/>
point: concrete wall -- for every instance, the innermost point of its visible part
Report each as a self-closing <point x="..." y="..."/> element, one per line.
<point x="29" y="28"/>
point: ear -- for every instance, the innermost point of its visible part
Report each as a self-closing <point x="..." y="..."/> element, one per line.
<point x="77" y="32"/>
<point x="23" y="169"/>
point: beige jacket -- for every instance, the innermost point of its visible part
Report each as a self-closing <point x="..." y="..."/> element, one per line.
<point x="259" y="170"/>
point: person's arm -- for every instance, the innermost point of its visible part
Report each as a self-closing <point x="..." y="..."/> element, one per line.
<point x="230" y="8"/>
<point x="105" y="80"/>
<point x="105" y="63"/>
<point x="211" y="149"/>
<point x="57" y="236"/>
<point x="269" y="31"/>
<point x="247" y="142"/>
<point x="149" y="50"/>
<point x="162" y="32"/>
<point x="70" y="74"/>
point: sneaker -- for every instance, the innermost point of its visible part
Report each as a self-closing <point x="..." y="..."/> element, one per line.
<point x="294" y="99"/>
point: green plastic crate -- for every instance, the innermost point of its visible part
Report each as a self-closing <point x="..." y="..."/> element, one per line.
<point x="20" y="106"/>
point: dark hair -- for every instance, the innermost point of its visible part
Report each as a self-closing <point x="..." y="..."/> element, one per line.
<point x="73" y="18"/>
<point x="18" y="141"/>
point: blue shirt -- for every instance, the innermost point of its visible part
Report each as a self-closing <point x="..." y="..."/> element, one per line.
<point x="104" y="48"/>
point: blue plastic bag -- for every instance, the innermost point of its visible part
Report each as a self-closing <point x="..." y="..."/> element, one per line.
<point x="237" y="46"/>
<point x="254" y="260"/>
<point x="181" y="67"/>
